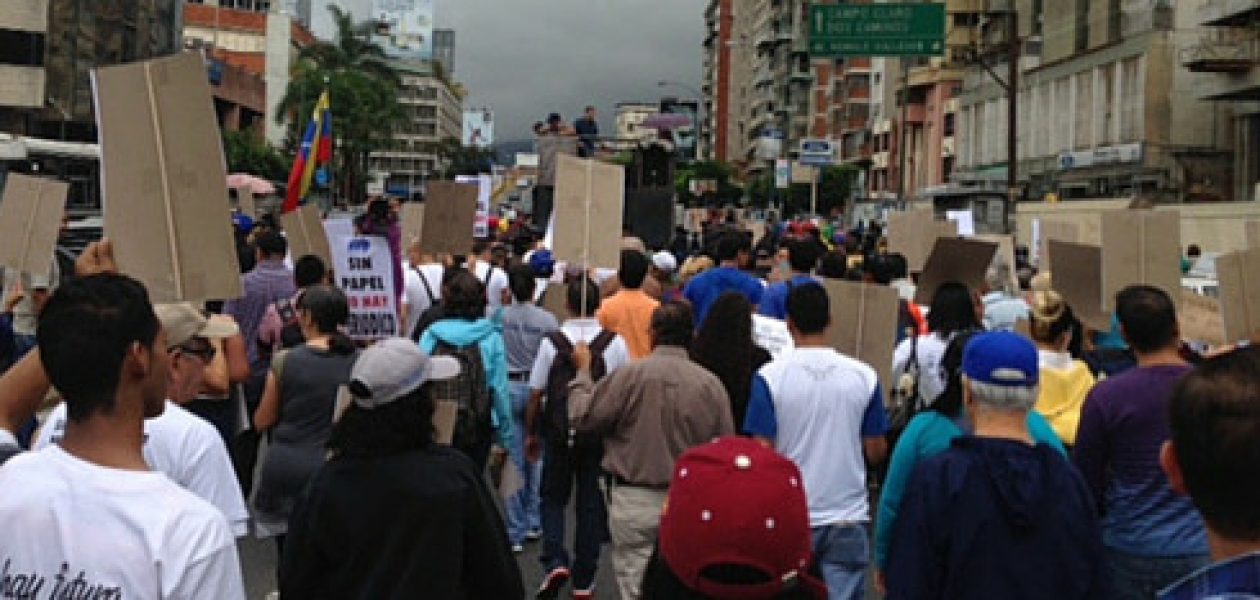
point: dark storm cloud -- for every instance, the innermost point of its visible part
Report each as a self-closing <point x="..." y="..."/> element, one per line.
<point x="526" y="58"/>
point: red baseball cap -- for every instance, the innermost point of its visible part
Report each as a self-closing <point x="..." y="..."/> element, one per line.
<point x="734" y="502"/>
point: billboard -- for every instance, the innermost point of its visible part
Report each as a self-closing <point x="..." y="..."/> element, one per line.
<point x="404" y="27"/>
<point x="686" y="137"/>
<point x="478" y="128"/>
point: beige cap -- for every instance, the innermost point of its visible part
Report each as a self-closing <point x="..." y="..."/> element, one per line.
<point x="183" y="321"/>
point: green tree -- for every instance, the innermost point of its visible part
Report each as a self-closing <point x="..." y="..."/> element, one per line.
<point x="454" y="158"/>
<point x="708" y="170"/>
<point x="246" y="152"/>
<point x="363" y="93"/>
<point x="835" y="187"/>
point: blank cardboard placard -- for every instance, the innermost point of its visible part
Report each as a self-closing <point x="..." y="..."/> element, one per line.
<point x="445" y="412"/>
<point x="1081" y="285"/>
<point x="1238" y="274"/>
<point x="1253" y="233"/>
<point x="1005" y="254"/>
<point x="30" y="217"/>
<point x="450" y="210"/>
<point x="305" y="233"/>
<point x="864" y="324"/>
<point x="555" y="301"/>
<point x="588" y="212"/>
<point x="245" y="202"/>
<point x="163" y="179"/>
<point x="1200" y="319"/>
<point x="1047" y="230"/>
<point x="954" y="259"/>
<point x="1140" y="247"/>
<point x="412" y="223"/>
<point x="907" y="232"/>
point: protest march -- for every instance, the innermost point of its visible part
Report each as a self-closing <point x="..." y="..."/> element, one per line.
<point x="450" y="395"/>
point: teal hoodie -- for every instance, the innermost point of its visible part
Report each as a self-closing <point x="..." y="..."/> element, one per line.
<point x="488" y="335"/>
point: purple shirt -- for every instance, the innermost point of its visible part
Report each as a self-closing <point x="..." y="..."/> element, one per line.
<point x="269" y="282"/>
<point x="1124" y="424"/>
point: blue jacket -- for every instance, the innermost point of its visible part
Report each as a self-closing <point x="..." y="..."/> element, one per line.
<point x="993" y="518"/>
<point x="488" y="335"/>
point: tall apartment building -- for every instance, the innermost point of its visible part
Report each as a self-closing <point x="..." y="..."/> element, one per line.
<point x="434" y="109"/>
<point x="444" y="49"/>
<point x="1227" y="52"/>
<point x="715" y="133"/>
<point x="1105" y="107"/>
<point x="48" y="52"/>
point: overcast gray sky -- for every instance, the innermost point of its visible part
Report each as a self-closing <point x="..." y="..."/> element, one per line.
<point x="526" y="58"/>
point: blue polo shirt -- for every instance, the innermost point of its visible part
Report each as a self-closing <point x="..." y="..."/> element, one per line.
<point x="1234" y="579"/>
<point x="774" y="301"/>
<point x="705" y="289"/>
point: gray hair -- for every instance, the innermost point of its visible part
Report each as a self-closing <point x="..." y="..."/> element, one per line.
<point x="1003" y="397"/>
<point x="998" y="277"/>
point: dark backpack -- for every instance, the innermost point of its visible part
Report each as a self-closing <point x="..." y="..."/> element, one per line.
<point x="470" y="391"/>
<point x="555" y="422"/>
<point x="431" y="315"/>
<point x="291" y="333"/>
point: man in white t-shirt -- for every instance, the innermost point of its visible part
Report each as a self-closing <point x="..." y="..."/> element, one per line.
<point x="494" y="278"/>
<point x="825" y="411"/>
<point x="87" y="517"/>
<point x="422" y="286"/>
<point x="179" y="444"/>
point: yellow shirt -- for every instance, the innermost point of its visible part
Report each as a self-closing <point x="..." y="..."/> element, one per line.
<point x="628" y="313"/>
<point x="1064" y="385"/>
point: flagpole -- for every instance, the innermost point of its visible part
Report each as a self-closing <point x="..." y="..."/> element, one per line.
<point x="332" y="162"/>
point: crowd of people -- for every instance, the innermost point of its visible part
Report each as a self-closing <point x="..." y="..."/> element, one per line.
<point x="140" y="440"/>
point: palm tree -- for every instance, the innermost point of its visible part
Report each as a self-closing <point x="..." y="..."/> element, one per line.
<point x="363" y="91"/>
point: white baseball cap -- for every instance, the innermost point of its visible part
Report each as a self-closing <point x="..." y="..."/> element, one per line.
<point x="393" y="368"/>
<point x="665" y="261"/>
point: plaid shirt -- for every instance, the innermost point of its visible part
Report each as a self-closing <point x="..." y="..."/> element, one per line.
<point x="1234" y="579"/>
<point x="268" y="282"/>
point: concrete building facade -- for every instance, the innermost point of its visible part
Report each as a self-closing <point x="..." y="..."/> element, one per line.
<point x="1105" y="108"/>
<point x="1226" y="53"/>
<point x="434" y="112"/>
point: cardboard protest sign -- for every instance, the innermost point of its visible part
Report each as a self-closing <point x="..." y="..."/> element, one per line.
<point x="588" y="212"/>
<point x="412" y="222"/>
<point x="941" y="229"/>
<point x="1005" y="255"/>
<point x="1200" y="320"/>
<point x="1238" y="274"/>
<point x="1046" y="230"/>
<point x="245" y="202"/>
<point x="1140" y="247"/>
<point x="908" y="235"/>
<point x="163" y="179"/>
<point x="305" y="233"/>
<point x="864" y="324"/>
<point x="1081" y="285"/>
<point x="450" y="209"/>
<point x="365" y="272"/>
<point x="954" y="259"/>
<point x="1253" y="233"/>
<point x="445" y="413"/>
<point x="30" y="217"/>
<point x="555" y="301"/>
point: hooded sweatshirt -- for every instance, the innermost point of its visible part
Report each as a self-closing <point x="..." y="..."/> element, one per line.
<point x="994" y="518"/>
<point x="488" y="335"/>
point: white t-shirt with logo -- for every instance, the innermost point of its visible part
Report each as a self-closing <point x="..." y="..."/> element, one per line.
<point x="188" y="450"/>
<point x="76" y="528"/>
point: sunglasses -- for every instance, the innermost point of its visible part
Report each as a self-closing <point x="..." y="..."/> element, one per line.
<point x="205" y="352"/>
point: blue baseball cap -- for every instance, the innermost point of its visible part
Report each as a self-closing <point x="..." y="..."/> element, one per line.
<point x="542" y="263"/>
<point x="243" y="223"/>
<point x="1001" y="358"/>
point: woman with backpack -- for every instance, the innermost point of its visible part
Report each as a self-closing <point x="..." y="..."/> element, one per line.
<point x="297" y="406"/>
<point x="917" y="359"/>
<point x="481" y="390"/>
<point x="929" y="433"/>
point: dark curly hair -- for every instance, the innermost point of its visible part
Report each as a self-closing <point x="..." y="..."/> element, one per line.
<point x="724" y="345"/>
<point x="402" y="425"/>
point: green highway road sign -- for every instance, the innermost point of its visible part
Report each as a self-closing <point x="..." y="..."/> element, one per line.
<point x="837" y="30"/>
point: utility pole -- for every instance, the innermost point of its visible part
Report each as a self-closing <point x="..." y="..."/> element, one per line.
<point x="1012" y="103"/>
<point x="902" y="133"/>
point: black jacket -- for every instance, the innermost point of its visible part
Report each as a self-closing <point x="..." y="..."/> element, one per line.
<point x="419" y="524"/>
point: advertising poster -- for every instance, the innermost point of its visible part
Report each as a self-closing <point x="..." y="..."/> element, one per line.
<point x="404" y="27"/>
<point x="478" y="128"/>
<point x="481" y="222"/>
<point x="365" y="273"/>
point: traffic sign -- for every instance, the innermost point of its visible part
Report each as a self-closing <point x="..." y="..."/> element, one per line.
<point x="838" y="30"/>
<point x="816" y="152"/>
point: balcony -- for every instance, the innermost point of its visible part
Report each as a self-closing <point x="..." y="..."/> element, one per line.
<point x="1224" y="50"/>
<point x="916" y="113"/>
<point x="1229" y="13"/>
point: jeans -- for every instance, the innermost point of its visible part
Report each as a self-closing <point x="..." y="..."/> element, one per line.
<point x="562" y="468"/>
<point x="1131" y="576"/>
<point x="523" y="514"/>
<point x="843" y="553"/>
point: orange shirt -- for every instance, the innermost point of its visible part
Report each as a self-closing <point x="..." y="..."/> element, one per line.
<point x="628" y="313"/>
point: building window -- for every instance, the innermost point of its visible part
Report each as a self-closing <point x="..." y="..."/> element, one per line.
<point x="21" y="48"/>
<point x="250" y="5"/>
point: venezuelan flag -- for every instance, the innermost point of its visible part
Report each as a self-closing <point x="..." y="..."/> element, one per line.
<point x="316" y="151"/>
